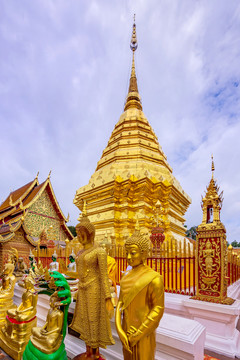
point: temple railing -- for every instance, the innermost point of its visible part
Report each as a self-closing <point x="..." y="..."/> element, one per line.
<point x="233" y="268"/>
<point x="174" y="261"/>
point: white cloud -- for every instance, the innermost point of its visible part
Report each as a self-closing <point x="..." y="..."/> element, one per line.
<point x="64" y="70"/>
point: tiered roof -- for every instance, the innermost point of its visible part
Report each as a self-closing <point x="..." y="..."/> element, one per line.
<point x="14" y="209"/>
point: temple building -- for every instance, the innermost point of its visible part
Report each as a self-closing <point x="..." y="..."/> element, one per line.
<point x="132" y="176"/>
<point x="26" y="214"/>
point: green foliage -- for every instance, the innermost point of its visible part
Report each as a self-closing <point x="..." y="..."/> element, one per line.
<point x="235" y="243"/>
<point x="192" y="232"/>
<point x="73" y="230"/>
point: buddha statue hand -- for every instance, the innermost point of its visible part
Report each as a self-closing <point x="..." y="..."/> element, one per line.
<point x="133" y="335"/>
<point x="121" y="333"/>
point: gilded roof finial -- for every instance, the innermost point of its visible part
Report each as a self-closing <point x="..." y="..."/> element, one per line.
<point x="213" y="168"/>
<point x="133" y="98"/>
<point x="134" y="44"/>
<point x="49" y="174"/>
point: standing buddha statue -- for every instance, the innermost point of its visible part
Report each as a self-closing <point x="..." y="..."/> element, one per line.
<point x="141" y="302"/>
<point x="93" y="306"/>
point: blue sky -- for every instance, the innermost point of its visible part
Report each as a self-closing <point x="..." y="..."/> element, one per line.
<point x="64" y="72"/>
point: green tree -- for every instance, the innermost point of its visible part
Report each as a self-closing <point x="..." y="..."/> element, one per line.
<point x="235" y="243"/>
<point x="192" y="232"/>
<point x="73" y="230"/>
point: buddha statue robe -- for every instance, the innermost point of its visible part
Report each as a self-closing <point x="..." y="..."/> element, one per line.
<point x="90" y="318"/>
<point x="142" y="305"/>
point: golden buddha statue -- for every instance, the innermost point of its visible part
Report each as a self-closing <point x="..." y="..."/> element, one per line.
<point x="49" y="337"/>
<point x="21" y="267"/>
<point x="27" y="309"/>
<point x="15" y="335"/>
<point x="141" y="302"/>
<point x="6" y="291"/>
<point x="93" y="306"/>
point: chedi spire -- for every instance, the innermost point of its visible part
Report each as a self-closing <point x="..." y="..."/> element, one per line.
<point x="133" y="97"/>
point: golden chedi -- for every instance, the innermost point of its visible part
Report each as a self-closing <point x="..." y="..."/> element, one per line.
<point x="93" y="307"/>
<point x="6" y="291"/>
<point x="141" y="302"/>
<point x="131" y="176"/>
<point x="15" y="335"/>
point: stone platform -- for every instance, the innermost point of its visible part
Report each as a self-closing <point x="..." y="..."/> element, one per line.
<point x="177" y="338"/>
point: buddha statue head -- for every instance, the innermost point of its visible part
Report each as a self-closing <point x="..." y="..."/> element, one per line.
<point x="137" y="247"/>
<point x="85" y="230"/>
<point x="29" y="282"/>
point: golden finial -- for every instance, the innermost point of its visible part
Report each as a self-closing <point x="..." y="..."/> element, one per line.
<point x="133" y="98"/>
<point x="84" y="210"/>
<point x="68" y="217"/>
<point x="21" y="205"/>
<point x="37" y="175"/>
<point x="213" y="168"/>
<point x="49" y="174"/>
<point x="10" y="200"/>
<point x="134" y="44"/>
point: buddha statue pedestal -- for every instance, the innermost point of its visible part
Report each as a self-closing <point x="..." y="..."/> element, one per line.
<point x="90" y="354"/>
<point x="15" y="335"/>
<point x="4" y="307"/>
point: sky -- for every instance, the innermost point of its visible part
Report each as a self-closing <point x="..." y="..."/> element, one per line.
<point x="64" y="74"/>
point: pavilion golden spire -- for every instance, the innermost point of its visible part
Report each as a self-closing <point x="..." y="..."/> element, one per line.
<point x="213" y="167"/>
<point x="133" y="97"/>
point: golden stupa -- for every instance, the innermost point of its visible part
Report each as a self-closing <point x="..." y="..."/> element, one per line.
<point x="132" y="176"/>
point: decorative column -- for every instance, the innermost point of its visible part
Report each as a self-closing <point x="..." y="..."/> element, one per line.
<point x="211" y="249"/>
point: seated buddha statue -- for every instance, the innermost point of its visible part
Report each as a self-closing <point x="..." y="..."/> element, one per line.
<point x="141" y="302"/>
<point x="33" y="263"/>
<point x="54" y="265"/>
<point x="49" y="337"/>
<point x="6" y="290"/>
<point x="27" y="309"/>
<point x="72" y="265"/>
<point x="16" y="332"/>
<point x="21" y="267"/>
